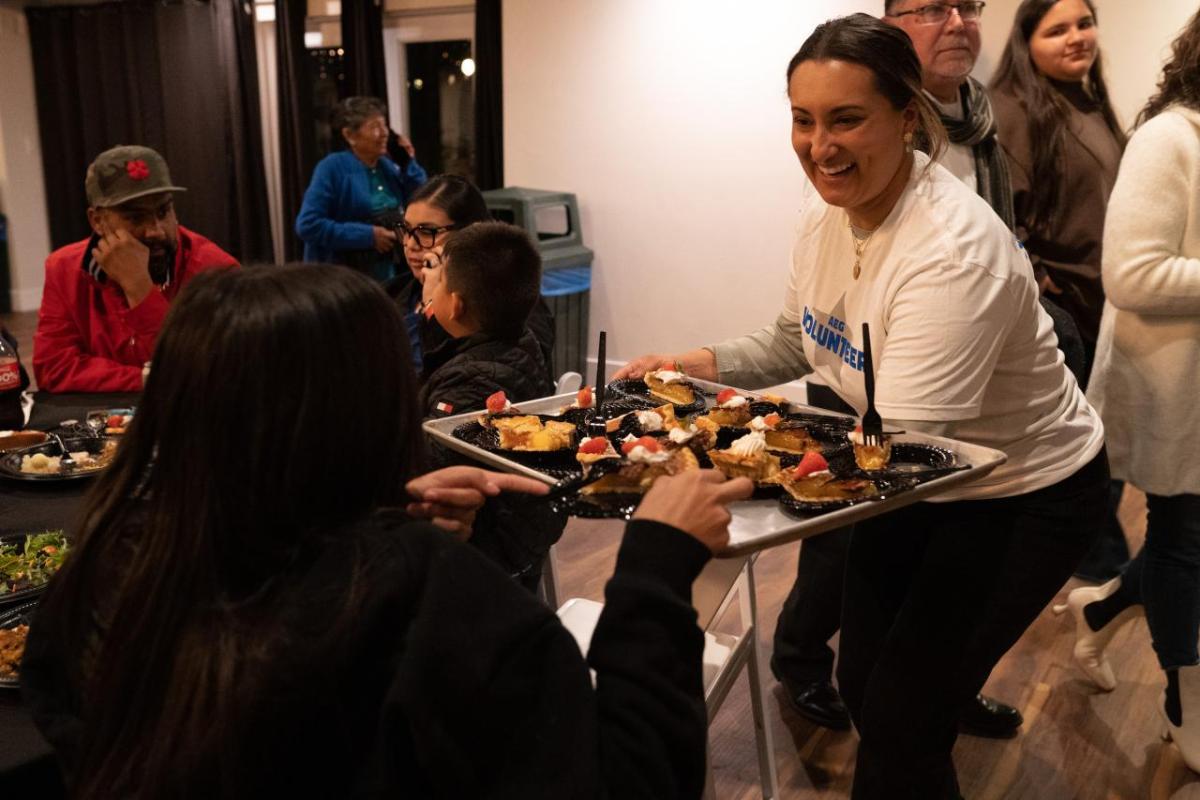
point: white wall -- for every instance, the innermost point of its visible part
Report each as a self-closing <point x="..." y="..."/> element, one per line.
<point x="670" y="121"/>
<point x="22" y="189"/>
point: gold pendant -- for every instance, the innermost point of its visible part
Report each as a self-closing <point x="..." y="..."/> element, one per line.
<point x="857" y="270"/>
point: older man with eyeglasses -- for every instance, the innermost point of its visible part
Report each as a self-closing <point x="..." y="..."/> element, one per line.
<point x="946" y="38"/>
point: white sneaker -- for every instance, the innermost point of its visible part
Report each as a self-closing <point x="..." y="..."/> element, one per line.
<point x="1089" y="644"/>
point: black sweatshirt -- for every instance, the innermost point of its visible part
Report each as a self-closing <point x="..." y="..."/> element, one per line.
<point x="452" y="682"/>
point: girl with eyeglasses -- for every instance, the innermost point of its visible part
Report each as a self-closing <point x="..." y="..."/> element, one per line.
<point x="445" y="204"/>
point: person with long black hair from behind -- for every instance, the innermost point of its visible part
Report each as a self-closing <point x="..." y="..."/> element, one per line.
<point x="1063" y="144"/>
<point x="1147" y="366"/>
<point x="255" y="607"/>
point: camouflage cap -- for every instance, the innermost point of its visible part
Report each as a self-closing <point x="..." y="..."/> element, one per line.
<point x="124" y="173"/>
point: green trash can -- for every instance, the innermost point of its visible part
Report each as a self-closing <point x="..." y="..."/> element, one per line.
<point x="552" y="220"/>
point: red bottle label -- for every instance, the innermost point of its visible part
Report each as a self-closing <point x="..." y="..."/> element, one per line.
<point x="10" y="376"/>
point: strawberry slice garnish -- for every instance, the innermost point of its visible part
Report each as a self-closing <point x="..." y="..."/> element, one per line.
<point x="584" y="398"/>
<point x="812" y="462"/>
<point x="594" y="446"/>
<point x="648" y="442"/>
<point x="115" y="421"/>
<point x="496" y="402"/>
<point x="772" y="420"/>
<point x="725" y="396"/>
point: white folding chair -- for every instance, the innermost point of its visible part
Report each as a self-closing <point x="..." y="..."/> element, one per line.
<point x="568" y="382"/>
<point x="725" y="654"/>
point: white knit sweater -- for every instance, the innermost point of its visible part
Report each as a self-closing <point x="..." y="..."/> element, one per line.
<point x="1146" y="381"/>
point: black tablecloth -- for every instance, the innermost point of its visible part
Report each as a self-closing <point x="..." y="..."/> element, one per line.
<point x="51" y="409"/>
<point x="27" y="766"/>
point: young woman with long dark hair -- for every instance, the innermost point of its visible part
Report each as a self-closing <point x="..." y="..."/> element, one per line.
<point x="255" y="608"/>
<point x="935" y="593"/>
<point x="1063" y="143"/>
<point x="1147" y="366"/>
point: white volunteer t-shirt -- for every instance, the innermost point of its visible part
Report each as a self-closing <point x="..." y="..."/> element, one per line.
<point x="957" y="332"/>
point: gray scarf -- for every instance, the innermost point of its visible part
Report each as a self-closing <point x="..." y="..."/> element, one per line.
<point x="978" y="131"/>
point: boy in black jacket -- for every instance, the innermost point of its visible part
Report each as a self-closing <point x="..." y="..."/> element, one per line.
<point x="482" y="293"/>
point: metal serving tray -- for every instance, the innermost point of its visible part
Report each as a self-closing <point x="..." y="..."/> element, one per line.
<point x="757" y="524"/>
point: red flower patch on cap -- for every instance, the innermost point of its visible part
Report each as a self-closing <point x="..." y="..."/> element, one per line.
<point x="137" y="170"/>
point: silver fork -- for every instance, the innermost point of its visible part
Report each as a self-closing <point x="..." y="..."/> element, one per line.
<point x="872" y="423"/>
<point x="65" y="462"/>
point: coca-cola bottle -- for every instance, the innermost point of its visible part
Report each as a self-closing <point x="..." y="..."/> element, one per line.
<point x="11" y="415"/>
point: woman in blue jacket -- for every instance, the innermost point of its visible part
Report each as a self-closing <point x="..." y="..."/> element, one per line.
<point x="357" y="195"/>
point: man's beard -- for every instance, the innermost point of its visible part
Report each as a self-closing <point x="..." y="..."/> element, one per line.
<point x="161" y="263"/>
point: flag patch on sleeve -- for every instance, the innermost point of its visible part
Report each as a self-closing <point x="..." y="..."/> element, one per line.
<point x="445" y="408"/>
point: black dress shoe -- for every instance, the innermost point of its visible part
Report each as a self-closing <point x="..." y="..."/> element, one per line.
<point x="990" y="718"/>
<point x="819" y="703"/>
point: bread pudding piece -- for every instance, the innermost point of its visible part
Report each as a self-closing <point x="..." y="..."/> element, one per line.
<point x="824" y="487"/>
<point x="645" y="462"/>
<point x="868" y="457"/>
<point x="747" y="457"/>
<point x="791" y="437"/>
<point x="670" y="385"/>
<point x="528" y="433"/>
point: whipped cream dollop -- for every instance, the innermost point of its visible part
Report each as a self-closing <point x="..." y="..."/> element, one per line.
<point x="751" y="444"/>
<point x="668" y="376"/>
<point x="650" y="420"/>
<point x="759" y="424"/>
<point x="640" y="455"/>
<point x="737" y="401"/>
<point x="681" y="436"/>
<point x="856" y="437"/>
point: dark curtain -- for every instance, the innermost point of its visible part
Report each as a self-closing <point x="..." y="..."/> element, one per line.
<point x="297" y="136"/>
<point x="489" y="97"/>
<point x="178" y="77"/>
<point x="362" y="39"/>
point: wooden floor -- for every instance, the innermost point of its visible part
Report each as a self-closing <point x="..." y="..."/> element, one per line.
<point x="1076" y="744"/>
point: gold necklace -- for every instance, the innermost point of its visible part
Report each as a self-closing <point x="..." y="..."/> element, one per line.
<point x="860" y="246"/>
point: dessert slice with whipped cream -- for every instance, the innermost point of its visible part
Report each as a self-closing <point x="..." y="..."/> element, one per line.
<point x="593" y="449"/>
<point x="787" y="436"/>
<point x="650" y="420"/>
<point x="645" y="461"/>
<point x="747" y="457"/>
<point x="810" y="481"/>
<point x="497" y="405"/>
<point x="732" y="409"/>
<point x="670" y="385"/>
<point x="868" y="457"/>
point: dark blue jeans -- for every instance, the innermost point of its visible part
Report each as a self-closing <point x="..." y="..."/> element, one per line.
<point x="1165" y="577"/>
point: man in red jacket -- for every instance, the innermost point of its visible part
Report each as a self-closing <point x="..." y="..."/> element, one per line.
<point x="105" y="298"/>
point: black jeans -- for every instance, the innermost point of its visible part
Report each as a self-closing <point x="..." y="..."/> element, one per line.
<point x="934" y="595"/>
<point x="812" y="612"/>
<point x="1165" y="578"/>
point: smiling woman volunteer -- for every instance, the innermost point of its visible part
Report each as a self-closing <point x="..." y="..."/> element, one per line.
<point x="935" y="593"/>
